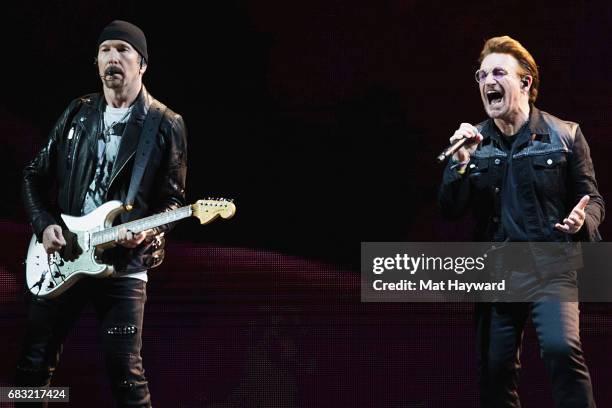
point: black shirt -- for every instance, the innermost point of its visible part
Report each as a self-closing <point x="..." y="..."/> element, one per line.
<point x="512" y="220"/>
<point x="508" y="141"/>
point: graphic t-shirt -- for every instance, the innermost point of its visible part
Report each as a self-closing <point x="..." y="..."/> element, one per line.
<point x="108" y="146"/>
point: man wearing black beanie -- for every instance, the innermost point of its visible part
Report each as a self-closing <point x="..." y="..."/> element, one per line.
<point x="91" y="156"/>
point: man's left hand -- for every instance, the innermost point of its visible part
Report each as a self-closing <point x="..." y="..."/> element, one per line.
<point x="574" y="221"/>
<point x="130" y="239"/>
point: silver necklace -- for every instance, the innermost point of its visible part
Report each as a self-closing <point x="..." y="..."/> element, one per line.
<point x="108" y="129"/>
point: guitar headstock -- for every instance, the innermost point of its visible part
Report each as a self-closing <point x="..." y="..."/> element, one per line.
<point x="209" y="209"/>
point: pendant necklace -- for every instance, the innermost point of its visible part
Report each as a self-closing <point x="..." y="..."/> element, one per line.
<point x="109" y="129"/>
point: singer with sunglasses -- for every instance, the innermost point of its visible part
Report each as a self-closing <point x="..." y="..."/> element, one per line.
<point x="91" y="156"/>
<point x="526" y="175"/>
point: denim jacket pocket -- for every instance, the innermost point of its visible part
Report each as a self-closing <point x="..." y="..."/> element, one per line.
<point x="549" y="161"/>
<point x="548" y="172"/>
<point x="479" y="174"/>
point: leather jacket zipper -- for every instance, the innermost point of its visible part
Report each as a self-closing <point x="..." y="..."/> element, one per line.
<point x="69" y="149"/>
<point x="110" y="183"/>
<point x="73" y="142"/>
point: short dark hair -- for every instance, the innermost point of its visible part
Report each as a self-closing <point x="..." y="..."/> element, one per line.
<point x="508" y="45"/>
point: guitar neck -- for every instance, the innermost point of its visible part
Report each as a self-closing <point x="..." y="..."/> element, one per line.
<point x="111" y="234"/>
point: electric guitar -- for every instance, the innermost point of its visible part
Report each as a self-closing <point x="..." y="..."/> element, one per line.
<point x="48" y="275"/>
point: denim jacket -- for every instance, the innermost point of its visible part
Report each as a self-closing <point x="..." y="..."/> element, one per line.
<point x="553" y="168"/>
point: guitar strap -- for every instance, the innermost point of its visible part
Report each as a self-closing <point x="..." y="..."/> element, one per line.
<point x="150" y="129"/>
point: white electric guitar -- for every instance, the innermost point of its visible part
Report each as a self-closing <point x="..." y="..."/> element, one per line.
<point x="49" y="275"/>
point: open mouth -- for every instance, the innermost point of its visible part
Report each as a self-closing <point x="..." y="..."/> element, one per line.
<point x="495" y="97"/>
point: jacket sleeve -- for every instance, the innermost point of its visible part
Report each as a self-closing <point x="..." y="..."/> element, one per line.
<point x="454" y="193"/>
<point x="39" y="176"/>
<point x="172" y="172"/>
<point x="582" y="176"/>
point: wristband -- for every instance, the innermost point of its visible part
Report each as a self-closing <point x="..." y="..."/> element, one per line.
<point x="460" y="166"/>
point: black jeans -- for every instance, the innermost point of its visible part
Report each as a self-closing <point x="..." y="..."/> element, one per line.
<point x="499" y="334"/>
<point x="119" y="306"/>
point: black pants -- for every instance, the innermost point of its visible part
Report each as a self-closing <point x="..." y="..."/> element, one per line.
<point x="499" y="334"/>
<point x="119" y="305"/>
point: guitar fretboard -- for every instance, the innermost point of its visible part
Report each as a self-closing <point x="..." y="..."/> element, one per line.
<point x="143" y="224"/>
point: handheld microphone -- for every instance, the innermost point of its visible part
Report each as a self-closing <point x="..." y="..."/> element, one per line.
<point x="449" y="151"/>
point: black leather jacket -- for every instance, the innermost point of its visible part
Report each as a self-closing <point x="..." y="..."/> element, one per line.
<point x="553" y="169"/>
<point x="68" y="161"/>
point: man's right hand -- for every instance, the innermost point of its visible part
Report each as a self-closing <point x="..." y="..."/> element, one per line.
<point x="53" y="239"/>
<point x="466" y="131"/>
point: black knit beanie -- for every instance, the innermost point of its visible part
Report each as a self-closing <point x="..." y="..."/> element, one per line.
<point x="128" y="32"/>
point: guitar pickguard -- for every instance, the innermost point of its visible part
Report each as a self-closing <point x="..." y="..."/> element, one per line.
<point x="51" y="274"/>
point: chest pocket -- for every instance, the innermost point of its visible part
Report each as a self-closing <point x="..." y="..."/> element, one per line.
<point x="549" y="172"/>
<point x="479" y="173"/>
<point x="549" y="161"/>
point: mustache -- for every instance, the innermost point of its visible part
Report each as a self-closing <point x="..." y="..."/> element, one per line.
<point x="112" y="70"/>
